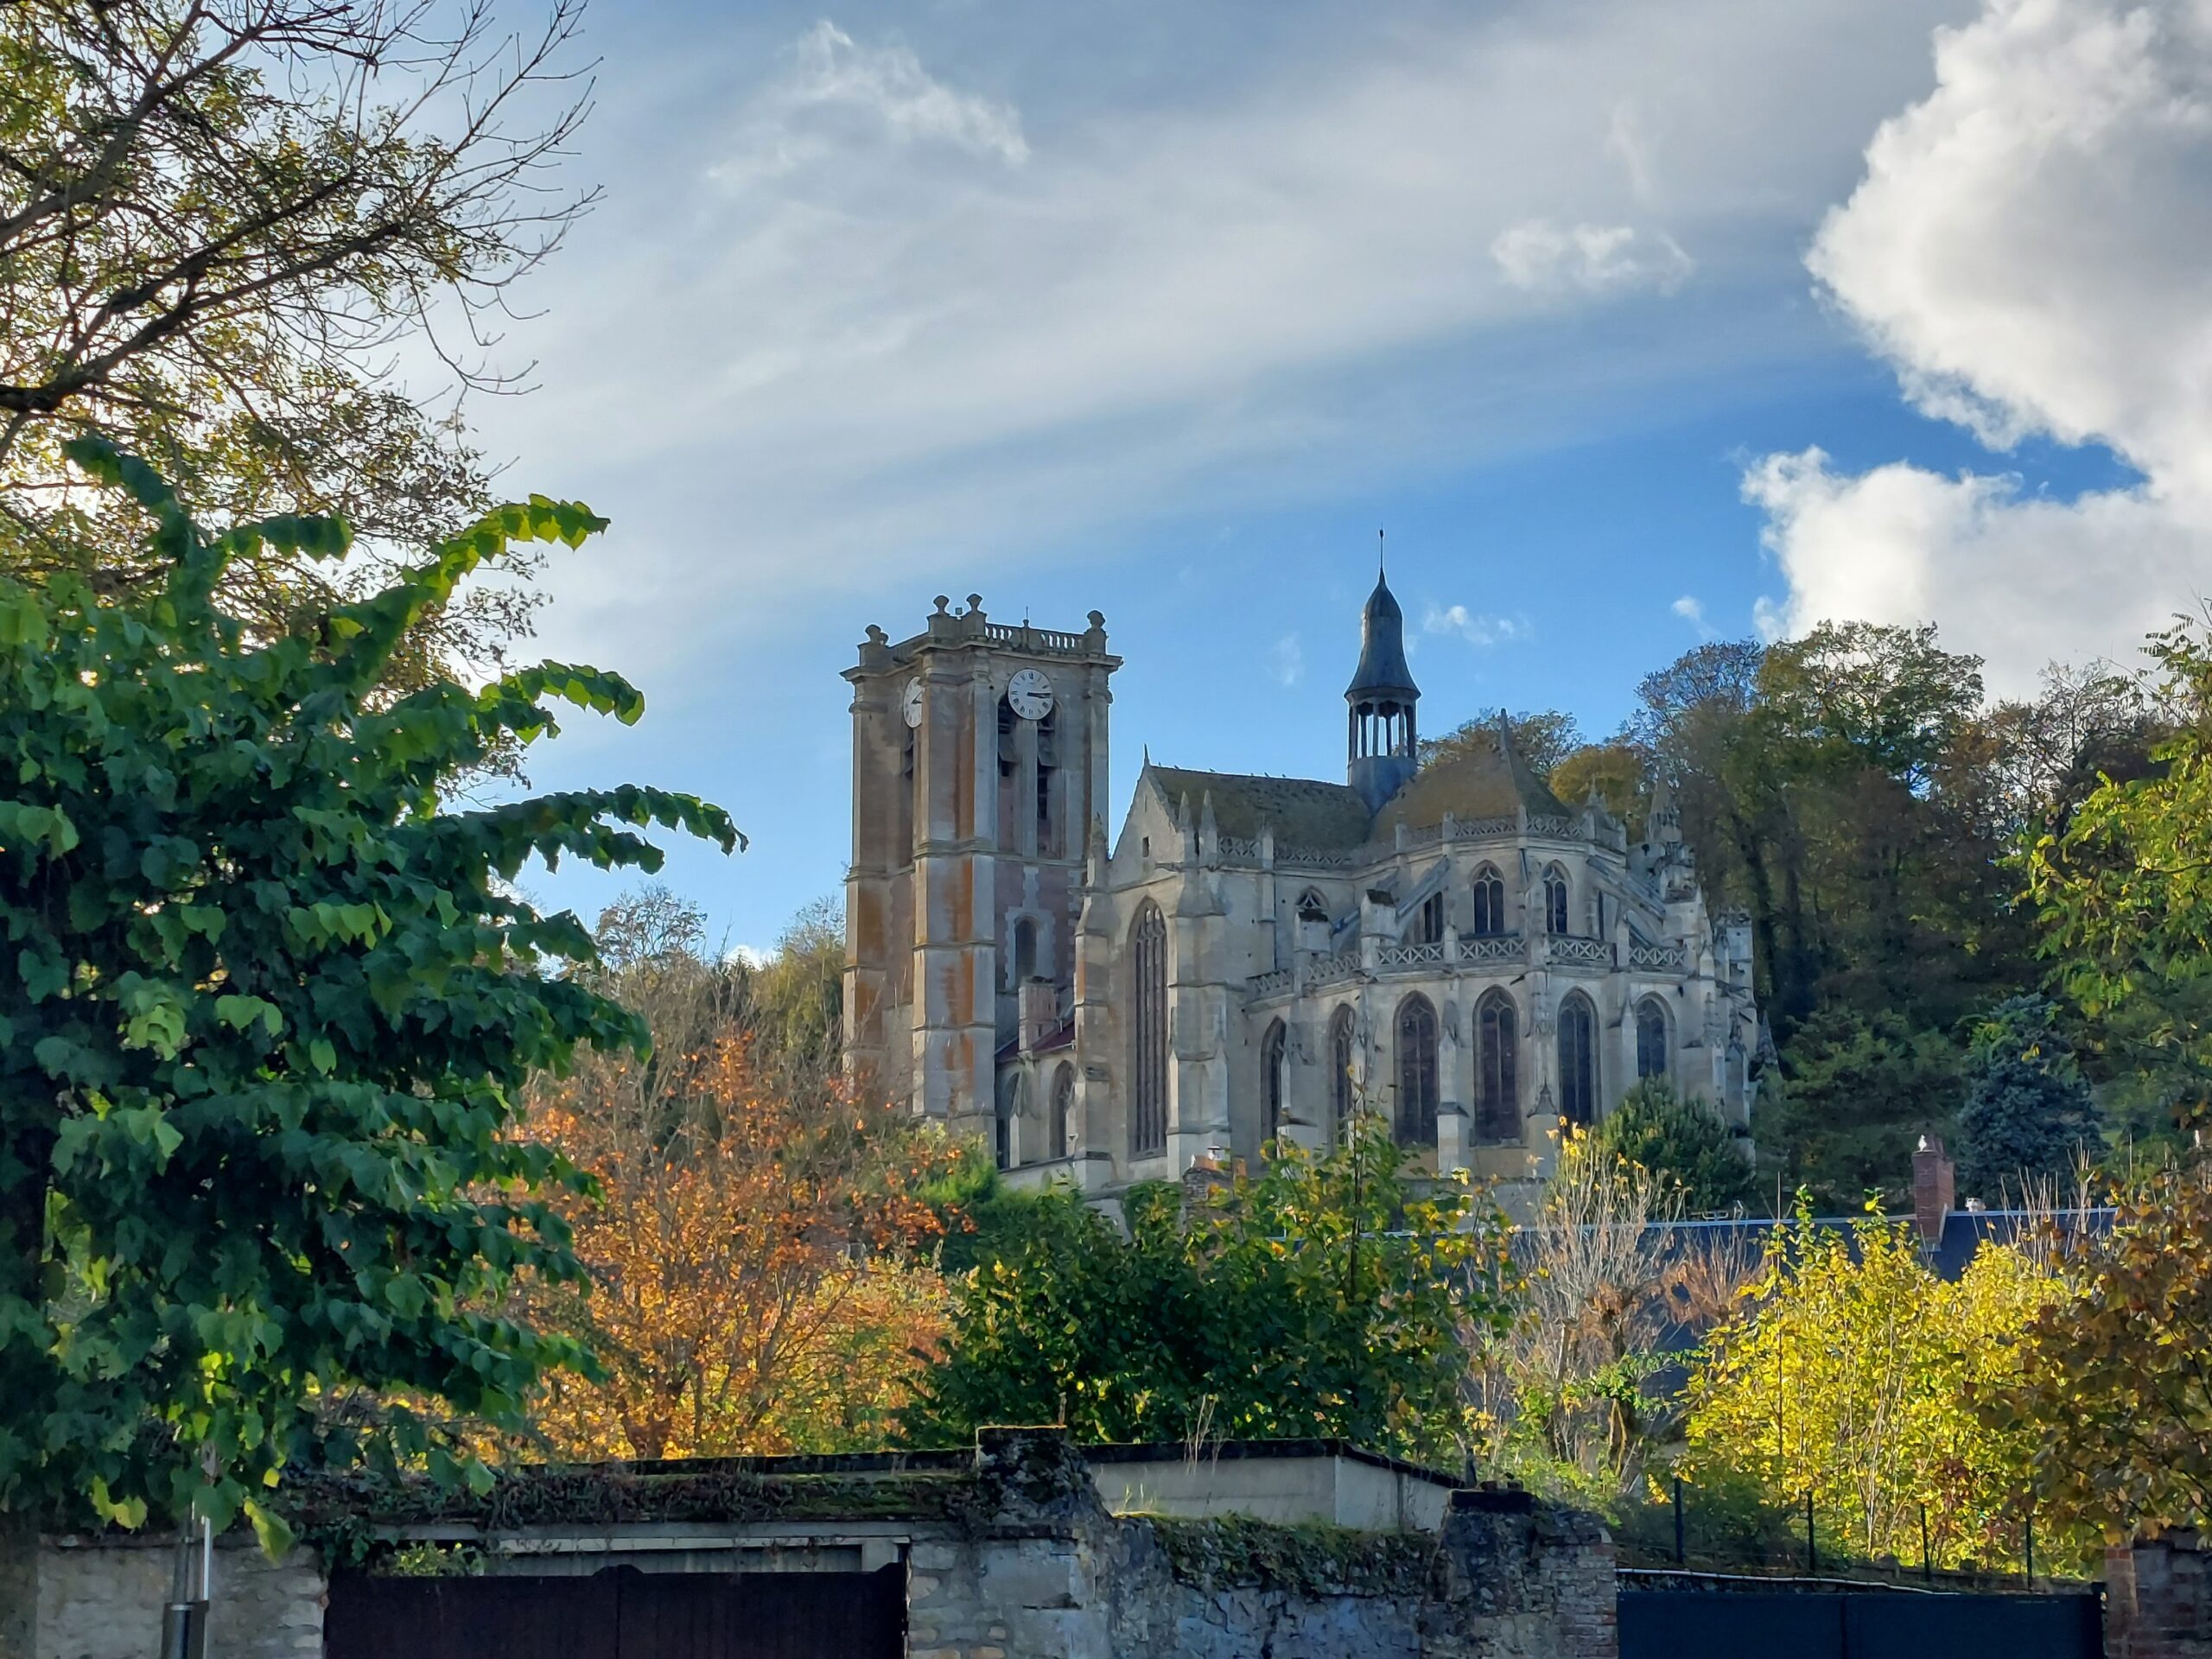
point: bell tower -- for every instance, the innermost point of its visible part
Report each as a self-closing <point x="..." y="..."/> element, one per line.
<point x="1382" y="747"/>
<point x="979" y="767"/>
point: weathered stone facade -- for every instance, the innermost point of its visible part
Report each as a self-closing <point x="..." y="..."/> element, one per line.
<point x="1008" y="1555"/>
<point x="1254" y="957"/>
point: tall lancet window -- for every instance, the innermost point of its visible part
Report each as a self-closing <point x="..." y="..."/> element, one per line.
<point x="1148" y="1032"/>
<point x="1578" y="1062"/>
<point x="1498" y="1071"/>
<point x="1417" y="1080"/>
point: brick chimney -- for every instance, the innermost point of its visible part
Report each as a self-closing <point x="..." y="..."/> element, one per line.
<point x="1935" y="1190"/>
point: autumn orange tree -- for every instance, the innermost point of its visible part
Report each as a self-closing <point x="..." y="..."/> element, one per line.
<point x="757" y="1276"/>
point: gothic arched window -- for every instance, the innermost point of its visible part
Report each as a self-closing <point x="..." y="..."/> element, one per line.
<point x="1490" y="901"/>
<point x="1340" y="1081"/>
<point x="1275" y="1055"/>
<point x="1578" y="1061"/>
<point x="1025" y="964"/>
<point x="1416" y="1123"/>
<point x="1652" y="1044"/>
<point x="1148" y="1032"/>
<point x="1428" y="921"/>
<point x="1312" y="906"/>
<point x="1555" y="900"/>
<point x="1048" y="764"/>
<point x="1498" y="1071"/>
<point x="1063" y="1108"/>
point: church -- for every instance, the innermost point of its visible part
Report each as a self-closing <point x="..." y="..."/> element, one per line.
<point x="1253" y="957"/>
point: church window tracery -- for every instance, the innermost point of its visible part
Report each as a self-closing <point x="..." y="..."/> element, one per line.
<point x="1490" y="901"/>
<point x="1417" y="1079"/>
<point x="1555" y="900"/>
<point x="1497" y="1074"/>
<point x="1148" y="1032"/>
<point x="1578" y="1061"/>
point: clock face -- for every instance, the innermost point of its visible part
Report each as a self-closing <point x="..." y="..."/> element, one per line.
<point x="914" y="702"/>
<point x="1029" y="693"/>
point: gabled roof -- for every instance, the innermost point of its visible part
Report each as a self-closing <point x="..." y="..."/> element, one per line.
<point x="1304" y="811"/>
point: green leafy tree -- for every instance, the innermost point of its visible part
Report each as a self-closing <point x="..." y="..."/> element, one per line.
<point x="1323" y="1297"/>
<point x="260" y="1198"/>
<point x="2028" y="1117"/>
<point x="1856" y="1093"/>
<point x="217" y="218"/>
<point x="2124" y="889"/>
<point x="1684" y="1144"/>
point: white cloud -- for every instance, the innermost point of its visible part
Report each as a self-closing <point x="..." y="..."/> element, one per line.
<point x="888" y="298"/>
<point x="1541" y="257"/>
<point x="1286" y="661"/>
<point x="1691" y="609"/>
<point x="2029" y="249"/>
<point x="1476" y="630"/>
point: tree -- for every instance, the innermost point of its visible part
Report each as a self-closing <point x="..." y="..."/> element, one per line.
<point x="2123" y="890"/>
<point x="258" y="1191"/>
<point x="217" y="219"/>
<point x="1684" y="1144"/>
<point x="2028" y="1115"/>
<point x="2113" y="1395"/>
<point x="1542" y="737"/>
<point x="1618" y="771"/>
<point x="1322" y="1297"/>
<point x="753" y="1279"/>
<point x="1570" y="1394"/>
<point x="1850" y="1375"/>
<point x="1856" y="1093"/>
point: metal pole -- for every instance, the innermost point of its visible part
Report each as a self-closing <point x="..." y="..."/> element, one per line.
<point x="1812" y="1549"/>
<point x="1927" y="1558"/>
<point x="2030" y="1574"/>
<point x="1678" y="1520"/>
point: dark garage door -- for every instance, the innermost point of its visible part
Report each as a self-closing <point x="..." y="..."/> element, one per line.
<point x="1813" y="1624"/>
<point x="621" y="1614"/>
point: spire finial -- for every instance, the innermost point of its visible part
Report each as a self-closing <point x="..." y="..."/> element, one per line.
<point x="1378" y="556"/>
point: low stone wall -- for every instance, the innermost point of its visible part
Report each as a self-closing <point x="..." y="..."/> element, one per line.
<point x="2158" y="1599"/>
<point x="1010" y="1556"/>
<point x="101" y="1598"/>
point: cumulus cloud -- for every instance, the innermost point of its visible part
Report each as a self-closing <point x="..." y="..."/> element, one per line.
<point x="1476" y="629"/>
<point x="1541" y="257"/>
<point x="2027" y="249"/>
<point x="1691" y="609"/>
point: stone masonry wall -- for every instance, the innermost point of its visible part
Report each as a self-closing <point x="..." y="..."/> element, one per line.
<point x="2158" y="1599"/>
<point x="103" y="1600"/>
<point x="1028" y="1564"/>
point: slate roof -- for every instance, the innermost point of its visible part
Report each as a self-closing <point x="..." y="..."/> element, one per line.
<point x="1304" y="811"/>
<point x="1382" y="672"/>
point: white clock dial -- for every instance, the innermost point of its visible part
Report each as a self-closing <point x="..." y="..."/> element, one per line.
<point x="1029" y="693"/>
<point x="913" y="702"/>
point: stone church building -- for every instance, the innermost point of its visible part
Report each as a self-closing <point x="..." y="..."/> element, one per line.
<point x="1254" y="957"/>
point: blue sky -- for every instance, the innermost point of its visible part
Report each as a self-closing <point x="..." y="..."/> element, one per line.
<point x="1832" y="308"/>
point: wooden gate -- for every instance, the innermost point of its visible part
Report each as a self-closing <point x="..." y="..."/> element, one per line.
<point x="621" y="1613"/>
